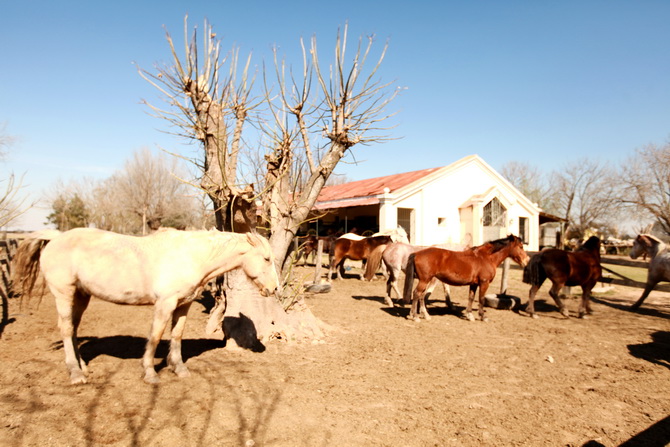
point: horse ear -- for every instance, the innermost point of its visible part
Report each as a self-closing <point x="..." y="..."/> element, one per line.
<point x="252" y="239"/>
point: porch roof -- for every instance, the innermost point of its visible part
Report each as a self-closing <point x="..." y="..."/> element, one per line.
<point x="366" y="192"/>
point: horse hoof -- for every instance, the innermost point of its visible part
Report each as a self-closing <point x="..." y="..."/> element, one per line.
<point x="534" y="317"/>
<point x="182" y="371"/>
<point x="78" y="378"/>
<point x="485" y="319"/>
<point x="469" y="317"/>
<point x="584" y="317"/>
<point x="152" y="379"/>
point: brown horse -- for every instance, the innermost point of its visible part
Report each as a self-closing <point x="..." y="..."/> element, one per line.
<point x="564" y="268"/>
<point x="353" y="247"/>
<point x="474" y="267"/>
<point x="310" y="245"/>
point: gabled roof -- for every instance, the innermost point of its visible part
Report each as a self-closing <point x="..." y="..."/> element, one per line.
<point x="366" y="192"/>
<point x="369" y="192"/>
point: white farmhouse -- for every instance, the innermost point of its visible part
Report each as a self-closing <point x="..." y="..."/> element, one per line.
<point x="466" y="202"/>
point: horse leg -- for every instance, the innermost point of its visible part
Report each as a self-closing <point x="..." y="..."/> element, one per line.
<point x="163" y="310"/>
<point x="484" y="286"/>
<point x="70" y="305"/>
<point x="555" y="293"/>
<point x="447" y="297"/>
<point x="471" y="298"/>
<point x="416" y="296"/>
<point x="647" y="289"/>
<point x="530" y="307"/>
<point x="391" y="283"/>
<point x="174" y="357"/>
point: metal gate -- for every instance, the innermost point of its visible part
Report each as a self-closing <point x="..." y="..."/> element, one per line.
<point x="494" y="219"/>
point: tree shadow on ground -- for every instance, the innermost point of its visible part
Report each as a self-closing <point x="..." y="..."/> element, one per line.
<point x="658" y="351"/>
<point x="650" y="310"/>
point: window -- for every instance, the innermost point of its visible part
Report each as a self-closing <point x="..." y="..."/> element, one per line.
<point x="524" y="229"/>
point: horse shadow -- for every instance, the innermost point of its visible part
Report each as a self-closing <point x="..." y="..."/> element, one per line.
<point x="658" y="351"/>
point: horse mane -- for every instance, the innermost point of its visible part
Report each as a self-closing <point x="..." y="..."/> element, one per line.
<point x="652" y="237"/>
<point x="591" y="244"/>
<point x="499" y="244"/>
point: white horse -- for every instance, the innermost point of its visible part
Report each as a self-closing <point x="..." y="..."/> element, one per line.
<point x="659" y="264"/>
<point x="167" y="269"/>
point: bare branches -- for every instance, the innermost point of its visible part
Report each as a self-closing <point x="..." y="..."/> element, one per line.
<point x="646" y="181"/>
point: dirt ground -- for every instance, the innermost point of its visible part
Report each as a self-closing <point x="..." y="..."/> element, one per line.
<point x="377" y="379"/>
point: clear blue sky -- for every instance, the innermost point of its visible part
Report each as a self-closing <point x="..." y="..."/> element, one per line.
<point x="543" y="82"/>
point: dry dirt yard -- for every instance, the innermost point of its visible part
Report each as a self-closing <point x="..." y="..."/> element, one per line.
<point x="377" y="379"/>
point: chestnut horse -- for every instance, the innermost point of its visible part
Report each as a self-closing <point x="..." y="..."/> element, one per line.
<point x="394" y="257"/>
<point x="565" y="268"/>
<point x="168" y="269"/>
<point x="474" y="267"/>
<point x="659" y="264"/>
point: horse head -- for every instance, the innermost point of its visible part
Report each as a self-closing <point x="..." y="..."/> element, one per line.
<point x="644" y="244"/>
<point x="259" y="265"/>
<point x="516" y="251"/>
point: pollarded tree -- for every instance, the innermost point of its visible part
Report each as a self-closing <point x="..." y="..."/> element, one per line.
<point x="312" y="120"/>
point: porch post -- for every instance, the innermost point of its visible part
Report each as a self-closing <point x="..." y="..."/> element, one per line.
<point x="388" y="214"/>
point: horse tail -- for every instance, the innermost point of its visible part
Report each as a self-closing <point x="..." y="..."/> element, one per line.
<point x="26" y="262"/>
<point x="374" y="262"/>
<point x="534" y="273"/>
<point x="409" y="280"/>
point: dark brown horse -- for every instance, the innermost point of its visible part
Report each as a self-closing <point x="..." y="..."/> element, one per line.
<point x="565" y="268"/>
<point x="309" y="246"/>
<point x="353" y="247"/>
<point x="474" y="267"/>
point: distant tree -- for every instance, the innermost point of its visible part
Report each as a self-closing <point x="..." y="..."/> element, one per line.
<point x="587" y="195"/>
<point x="13" y="204"/>
<point x="145" y="193"/>
<point x="646" y="183"/>
<point x="148" y="188"/>
<point x="531" y="182"/>
<point x="68" y="213"/>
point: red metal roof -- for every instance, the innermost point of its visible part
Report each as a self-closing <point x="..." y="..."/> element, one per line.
<point x="365" y="192"/>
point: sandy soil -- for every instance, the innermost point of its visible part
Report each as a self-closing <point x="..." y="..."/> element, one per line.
<point x="377" y="379"/>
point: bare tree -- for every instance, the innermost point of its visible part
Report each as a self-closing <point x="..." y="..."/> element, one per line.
<point x="149" y="189"/>
<point x="646" y="183"/>
<point x="587" y="194"/>
<point x="13" y="204"/>
<point x="314" y="118"/>
<point x="531" y="182"/>
<point x="309" y="122"/>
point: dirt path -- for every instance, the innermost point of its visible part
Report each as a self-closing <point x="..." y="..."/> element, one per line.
<point x="376" y="380"/>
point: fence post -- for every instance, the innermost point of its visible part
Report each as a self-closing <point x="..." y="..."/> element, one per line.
<point x="503" y="277"/>
<point x="317" y="263"/>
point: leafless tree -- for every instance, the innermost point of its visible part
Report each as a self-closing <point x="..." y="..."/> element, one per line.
<point x="646" y="183"/>
<point x="531" y="182"/>
<point x="313" y="119"/>
<point x="303" y="124"/>
<point x="587" y="194"/>
<point x="147" y="190"/>
<point x="13" y="203"/>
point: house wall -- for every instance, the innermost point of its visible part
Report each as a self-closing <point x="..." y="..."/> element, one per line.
<point x="444" y="216"/>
